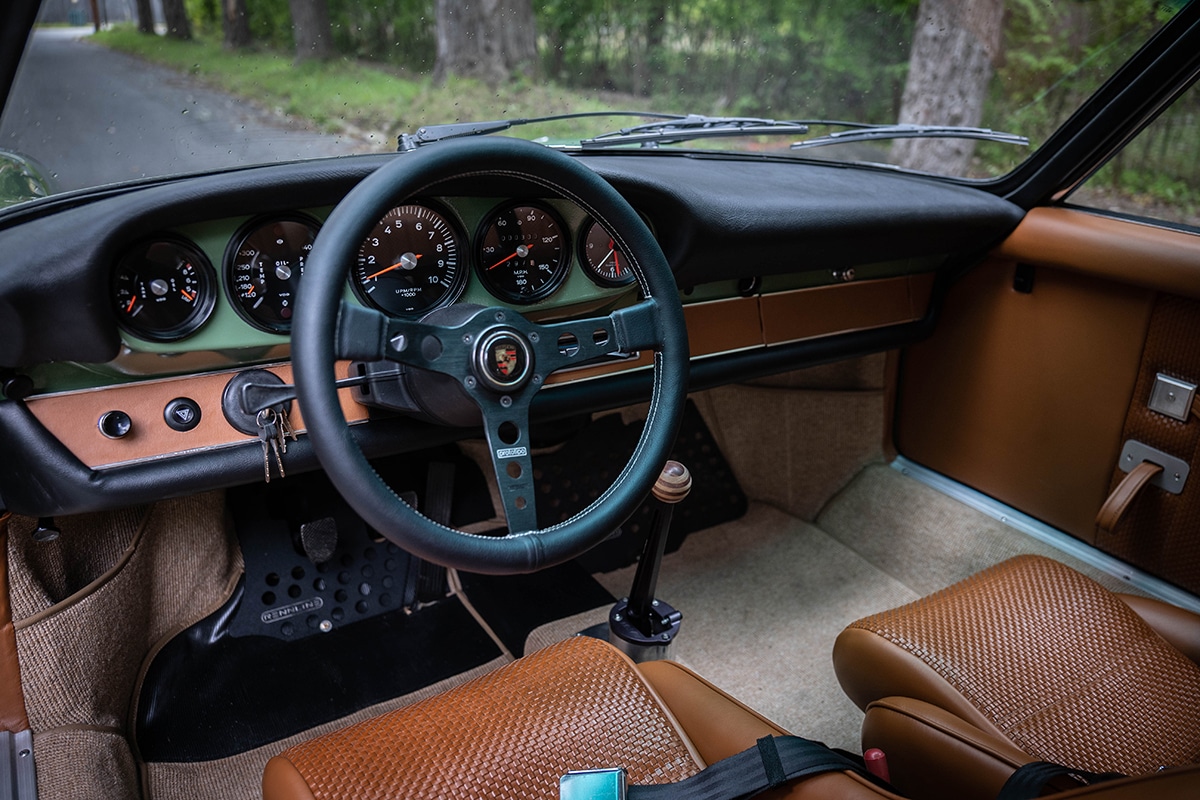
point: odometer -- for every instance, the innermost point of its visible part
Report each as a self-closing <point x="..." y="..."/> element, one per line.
<point x="411" y="262"/>
<point x="163" y="289"/>
<point x="263" y="267"/>
<point x="523" y="252"/>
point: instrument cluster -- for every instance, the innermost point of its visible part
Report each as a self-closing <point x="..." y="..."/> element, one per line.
<point x="418" y="257"/>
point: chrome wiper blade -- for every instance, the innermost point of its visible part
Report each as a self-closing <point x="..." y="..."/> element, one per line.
<point x="683" y="128"/>
<point x="428" y="134"/>
<point x="883" y="132"/>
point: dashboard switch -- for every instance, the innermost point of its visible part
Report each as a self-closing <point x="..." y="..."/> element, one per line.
<point x="182" y="414"/>
<point x="115" y="424"/>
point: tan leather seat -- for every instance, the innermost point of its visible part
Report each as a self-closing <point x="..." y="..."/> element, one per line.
<point x="513" y="733"/>
<point x="1026" y="661"/>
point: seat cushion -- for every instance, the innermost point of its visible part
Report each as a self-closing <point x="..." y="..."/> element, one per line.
<point x="512" y="733"/>
<point x="1042" y="655"/>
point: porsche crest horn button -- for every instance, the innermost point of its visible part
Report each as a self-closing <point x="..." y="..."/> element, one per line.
<point x="503" y="360"/>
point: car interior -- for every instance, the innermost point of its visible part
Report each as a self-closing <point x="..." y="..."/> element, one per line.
<point x="760" y="448"/>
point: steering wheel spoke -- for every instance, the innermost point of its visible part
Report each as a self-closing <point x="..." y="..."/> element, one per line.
<point x="364" y="334"/>
<point x="578" y="342"/>
<point x="507" y="428"/>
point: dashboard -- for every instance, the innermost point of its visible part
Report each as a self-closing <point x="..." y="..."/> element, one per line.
<point x="126" y="313"/>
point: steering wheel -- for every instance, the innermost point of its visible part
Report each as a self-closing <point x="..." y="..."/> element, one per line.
<point x="498" y="357"/>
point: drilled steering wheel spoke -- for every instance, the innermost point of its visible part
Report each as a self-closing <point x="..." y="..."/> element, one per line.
<point x="507" y="428"/>
<point x="578" y="342"/>
<point x="367" y="335"/>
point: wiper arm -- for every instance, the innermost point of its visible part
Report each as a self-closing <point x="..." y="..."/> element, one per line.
<point x="428" y="134"/>
<point x="682" y="128"/>
<point x="883" y="132"/>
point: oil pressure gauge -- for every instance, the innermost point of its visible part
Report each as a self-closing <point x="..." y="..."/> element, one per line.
<point x="163" y="289"/>
<point x="263" y="267"/>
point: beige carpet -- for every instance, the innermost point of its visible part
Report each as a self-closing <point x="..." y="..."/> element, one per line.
<point x="925" y="539"/>
<point x="763" y="599"/>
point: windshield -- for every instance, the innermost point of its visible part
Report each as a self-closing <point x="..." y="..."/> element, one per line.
<point x="106" y="94"/>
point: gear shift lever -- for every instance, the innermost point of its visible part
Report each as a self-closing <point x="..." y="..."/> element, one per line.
<point x="640" y="625"/>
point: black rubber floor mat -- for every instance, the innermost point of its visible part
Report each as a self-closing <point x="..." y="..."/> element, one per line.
<point x="572" y="477"/>
<point x="208" y="695"/>
<point x="357" y="575"/>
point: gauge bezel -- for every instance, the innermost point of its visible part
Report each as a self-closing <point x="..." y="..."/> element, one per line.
<point x="561" y="271"/>
<point x="456" y="288"/>
<point x="201" y="310"/>
<point x="585" y="263"/>
<point x="235" y="243"/>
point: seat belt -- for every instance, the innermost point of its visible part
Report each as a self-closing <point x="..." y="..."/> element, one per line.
<point x="772" y="762"/>
<point x="17" y="778"/>
<point x="1029" y="780"/>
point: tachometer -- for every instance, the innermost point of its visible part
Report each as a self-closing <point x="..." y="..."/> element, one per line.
<point x="163" y="289"/>
<point x="263" y="267"/>
<point x="411" y="262"/>
<point x="523" y="252"/>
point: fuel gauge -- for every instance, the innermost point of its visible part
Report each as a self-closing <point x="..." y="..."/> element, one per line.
<point x="163" y="289"/>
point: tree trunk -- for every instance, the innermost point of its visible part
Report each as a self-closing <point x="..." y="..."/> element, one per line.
<point x="235" y="23"/>
<point x="954" y="48"/>
<point x="145" y="16"/>
<point x="488" y="39"/>
<point x="175" y="15"/>
<point x="310" y="29"/>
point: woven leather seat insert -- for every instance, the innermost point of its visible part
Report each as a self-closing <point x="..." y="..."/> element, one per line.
<point x="513" y="733"/>
<point x="1059" y="664"/>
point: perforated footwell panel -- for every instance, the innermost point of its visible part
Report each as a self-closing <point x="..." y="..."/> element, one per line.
<point x="573" y="476"/>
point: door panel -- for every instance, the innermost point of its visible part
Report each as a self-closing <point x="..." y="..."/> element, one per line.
<point x="1028" y="397"/>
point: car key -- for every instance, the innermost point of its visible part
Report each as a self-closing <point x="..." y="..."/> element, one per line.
<point x="286" y="431"/>
<point x="268" y="431"/>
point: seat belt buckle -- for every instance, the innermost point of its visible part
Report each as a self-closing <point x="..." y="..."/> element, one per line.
<point x="592" y="784"/>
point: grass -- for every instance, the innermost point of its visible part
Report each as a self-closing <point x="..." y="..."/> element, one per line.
<point x="340" y="94"/>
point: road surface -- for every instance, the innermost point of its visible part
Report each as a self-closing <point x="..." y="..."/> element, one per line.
<point x="93" y="116"/>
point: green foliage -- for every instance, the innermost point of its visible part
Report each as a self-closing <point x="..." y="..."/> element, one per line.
<point x="834" y="59"/>
<point x="785" y="58"/>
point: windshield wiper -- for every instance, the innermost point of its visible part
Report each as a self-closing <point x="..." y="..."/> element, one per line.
<point x="428" y="134"/>
<point x="867" y="133"/>
<point x="683" y="128"/>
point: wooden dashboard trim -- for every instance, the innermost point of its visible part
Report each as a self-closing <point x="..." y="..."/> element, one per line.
<point x="843" y="308"/>
<point x="714" y="327"/>
<point x="73" y="417"/>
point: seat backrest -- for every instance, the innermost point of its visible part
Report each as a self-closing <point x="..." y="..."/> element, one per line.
<point x="1042" y="655"/>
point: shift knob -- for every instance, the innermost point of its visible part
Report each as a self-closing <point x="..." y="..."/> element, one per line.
<point x="673" y="484"/>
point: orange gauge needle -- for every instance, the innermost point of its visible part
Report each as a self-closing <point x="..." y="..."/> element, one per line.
<point x="186" y="296"/>
<point x="129" y="307"/>
<point x="397" y="265"/>
<point x="525" y="247"/>
<point x="616" y="258"/>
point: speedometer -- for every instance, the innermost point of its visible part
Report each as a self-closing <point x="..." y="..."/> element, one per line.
<point x="264" y="264"/>
<point x="411" y="262"/>
<point x="523" y="252"/>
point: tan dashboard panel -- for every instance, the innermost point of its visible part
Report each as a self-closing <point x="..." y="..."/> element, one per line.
<point x="1135" y="253"/>
<point x="846" y="307"/>
<point x="73" y="417"/>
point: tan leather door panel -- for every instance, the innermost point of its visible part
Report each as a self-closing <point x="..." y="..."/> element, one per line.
<point x="1023" y="396"/>
<point x="1029" y="397"/>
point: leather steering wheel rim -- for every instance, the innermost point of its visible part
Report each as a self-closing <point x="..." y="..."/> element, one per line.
<point x="323" y="331"/>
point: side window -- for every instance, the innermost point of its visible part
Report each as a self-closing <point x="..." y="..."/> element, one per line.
<point x="1157" y="175"/>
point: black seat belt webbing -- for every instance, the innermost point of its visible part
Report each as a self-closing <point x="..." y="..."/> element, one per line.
<point x="1029" y="780"/>
<point x="775" y="760"/>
